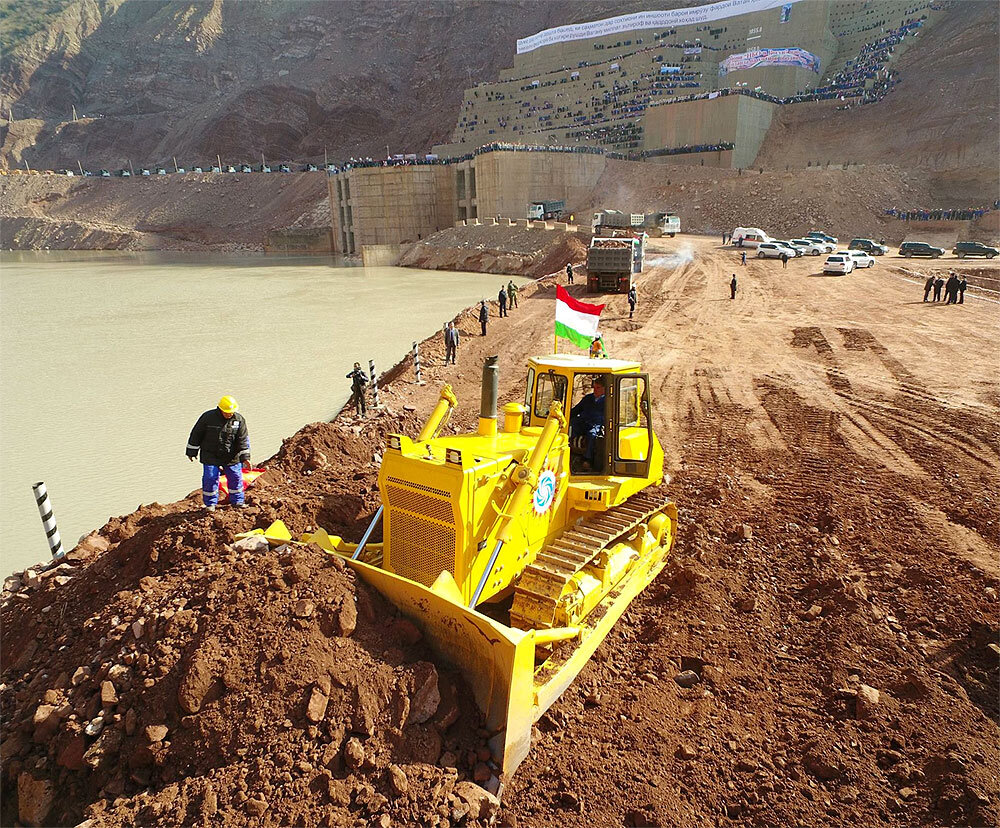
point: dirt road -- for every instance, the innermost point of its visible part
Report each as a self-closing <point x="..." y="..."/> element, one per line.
<point x="834" y="452"/>
<point x="853" y="429"/>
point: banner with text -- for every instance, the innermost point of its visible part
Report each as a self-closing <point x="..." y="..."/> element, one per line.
<point x="646" y="20"/>
<point x="756" y="58"/>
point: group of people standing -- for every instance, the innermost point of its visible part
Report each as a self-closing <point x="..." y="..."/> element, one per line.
<point x="954" y="289"/>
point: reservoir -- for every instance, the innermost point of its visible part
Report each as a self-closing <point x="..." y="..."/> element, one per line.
<point x="107" y="360"/>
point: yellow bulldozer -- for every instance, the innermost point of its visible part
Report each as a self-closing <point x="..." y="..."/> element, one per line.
<point x="516" y="548"/>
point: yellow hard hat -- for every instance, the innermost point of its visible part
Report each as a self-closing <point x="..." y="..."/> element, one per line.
<point x="228" y="405"/>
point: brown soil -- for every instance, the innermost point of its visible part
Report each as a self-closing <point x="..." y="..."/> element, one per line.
<point x="834" y="452"/>
<point x="520" y="251"/>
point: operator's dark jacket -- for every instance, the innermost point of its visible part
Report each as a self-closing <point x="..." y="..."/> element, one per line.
<point x="359" y="379"/>
<point x="222" y="441"/>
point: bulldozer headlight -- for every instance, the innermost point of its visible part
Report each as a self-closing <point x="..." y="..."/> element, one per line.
<point x="395" y="442"/>
<point x="453" y="456"/>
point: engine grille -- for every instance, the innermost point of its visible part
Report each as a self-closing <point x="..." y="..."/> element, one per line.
<point x="421" y="532"/>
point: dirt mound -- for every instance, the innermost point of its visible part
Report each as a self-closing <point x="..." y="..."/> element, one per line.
<point x="190" y="679"/>
<point x="520" y="251"/>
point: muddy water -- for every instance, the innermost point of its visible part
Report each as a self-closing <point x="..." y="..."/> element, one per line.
<point x="106" y="361"/>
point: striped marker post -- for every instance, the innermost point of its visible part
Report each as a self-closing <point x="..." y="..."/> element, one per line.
<point x="48" y="521"/>
<point x="416" y="361"/>
<point x="374" y="379"/>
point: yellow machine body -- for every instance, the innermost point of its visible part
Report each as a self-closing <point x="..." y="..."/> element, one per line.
<point x="501" y="546"/>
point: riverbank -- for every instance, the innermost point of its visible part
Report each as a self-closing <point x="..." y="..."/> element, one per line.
<point x="194" y="211"/>
<point x="834" y="588"/>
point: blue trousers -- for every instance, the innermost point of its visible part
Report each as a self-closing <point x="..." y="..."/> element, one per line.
<point x="210" y="483"/>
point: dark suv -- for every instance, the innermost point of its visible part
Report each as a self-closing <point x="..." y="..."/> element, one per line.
<point x="872" y="248"/>
<point x="963" y="249"/>
<point x="907" y="249"/>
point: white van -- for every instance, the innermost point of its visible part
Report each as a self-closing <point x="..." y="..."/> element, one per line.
<point x="749" y="236"/>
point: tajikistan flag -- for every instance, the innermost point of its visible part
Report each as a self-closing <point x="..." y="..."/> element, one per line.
<point x="576" y="321"/>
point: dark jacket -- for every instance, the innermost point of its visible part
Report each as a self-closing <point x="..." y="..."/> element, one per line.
<point x="502" y="298"/>
<point x="587" y="416"/>
<point x="451" y="336"/>
<point x="484" y="313"/>
<point x="359" y="379"/>
<point x="222" y="441"/>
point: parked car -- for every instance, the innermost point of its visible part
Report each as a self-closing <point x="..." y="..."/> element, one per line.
<point x="284" y="168"/>
<point x="197" y="169"/>
<point x="161" y="171"/>
<point x="124" y="173"/>
<point x="907" y="249"/>
<point x="105" y="174"/>
<point x="145" y="172"/>
<point x="818" y="234"/>
<point x="838" y="263"/>
<point x="331" y="168"/>
<point x="264" y="168"/>
<point x="861" y="258"/>
<point x="793" y="250"/>
<point x="771" y="250"/>
<point x="246" y="168"/>
<point x="216" y="168"/>
<point x="181" y="171"/>
<point x="813" y="247"/>
<point x="67" y="172"/>
<point x="310" y="168"/>
<point x="971" y="248"/>
<point x="872" y="248"/>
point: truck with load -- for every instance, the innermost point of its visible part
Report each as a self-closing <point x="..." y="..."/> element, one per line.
<point x="659" y="224"/>
<point x="606" y="222"/>
<point x="546" y="210"/>
<point x="515" y="548"/>
<point x="612" y="261"/>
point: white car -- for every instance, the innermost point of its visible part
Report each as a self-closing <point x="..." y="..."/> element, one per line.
<point x="839" y="263"/>
<point x="792" y="249"/>
<point x="861" y="259"/>
<point x="813" y="247"/>
<point x="772" y="250"/>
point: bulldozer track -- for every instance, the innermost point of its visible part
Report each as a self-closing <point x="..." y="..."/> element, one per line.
<point x="537" y="594"/>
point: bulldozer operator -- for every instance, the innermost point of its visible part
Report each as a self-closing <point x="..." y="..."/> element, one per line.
<point x="587" y="424"/>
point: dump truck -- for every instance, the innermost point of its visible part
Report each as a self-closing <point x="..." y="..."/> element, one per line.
<point x="612" y="262"/>
<point x="511" y="551"/>
<point x="658" y="224"/>
<point x="546" y="210"/>
<point x="607" y="221"/>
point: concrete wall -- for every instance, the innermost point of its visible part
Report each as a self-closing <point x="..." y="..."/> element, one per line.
<point x="299" y="240"/>
<point x="380" y="255"/>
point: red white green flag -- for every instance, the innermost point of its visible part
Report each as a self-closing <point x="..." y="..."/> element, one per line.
<point x="575" y="320"/>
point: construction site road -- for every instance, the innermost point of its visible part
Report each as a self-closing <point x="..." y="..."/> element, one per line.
<point x="834" y="448"/>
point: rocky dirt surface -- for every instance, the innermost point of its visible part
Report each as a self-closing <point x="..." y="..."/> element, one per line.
<point x="821" y="650"/>
<point x="521" y="251"/>
<point x="176" y="212"/>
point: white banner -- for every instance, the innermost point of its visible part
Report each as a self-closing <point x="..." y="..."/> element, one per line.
<point x="646" y="20"/>
<point x="769" y="57"/>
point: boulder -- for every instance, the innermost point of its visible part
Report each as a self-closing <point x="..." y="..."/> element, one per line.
<point x="480" y="802"/>
<point x="425" y="697"/>
<point x="252" y="543"/>
<point x="868" y="700"/>
<point x="34" y="799"/>
<point x="316" y="705"/>
<point x="156" y="733"/>
<point x="397" y="779"/>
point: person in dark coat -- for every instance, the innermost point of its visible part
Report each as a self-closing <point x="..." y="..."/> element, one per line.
<point x="222" y="438"/>
<point x="743" y="257"/>
<point x="951" y="290"/>
<point x="502" y="299"/>
<point x="587" y="420"/>
<point x="784" y="260"/>
<point x="928" y="287"/>
<point x="633" y="299"/>
<point x="938" y="284"/>
<point x="732" y="287"/>
<point x="359" y="379"/>
<point x="569" y="273"/>
<point x="484" y="316"/>
<point x="451" y="339"/>
<point x="962" y="285"/>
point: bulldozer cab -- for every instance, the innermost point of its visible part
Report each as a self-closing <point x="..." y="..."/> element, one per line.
<point x="609" y="439"/>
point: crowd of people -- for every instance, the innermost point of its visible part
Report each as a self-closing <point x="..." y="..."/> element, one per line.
<point x="941" y="214"/>
<point x="954" y="289"/>
<point x="722" y="146"/>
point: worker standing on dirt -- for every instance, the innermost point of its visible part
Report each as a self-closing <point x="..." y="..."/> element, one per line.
<point x="511" y="294"/>
<point x="938" y="284"/>
<point x="484" y="316"/>
<point x="359" y="380"/>
<point x="784" y="261"/>
<point x="928" y="287"/>
<point x="587" y="420"/>
<point x="451" y="338"/>
<point x="502" y="299"/>
<point x="221" y="436"/>
<point x="951" y="289"/>
<point x="732" y="287"/>
<point x="569" y="273"/>
<point x="962" y="285"/>
<point x="633" y="300"/>
<point x="743" y="258"/>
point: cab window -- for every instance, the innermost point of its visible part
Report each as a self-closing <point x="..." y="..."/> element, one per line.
<point x="583" y="384"/>
<point x="550" y="387"/>
<point x="528" y="389"/>
<point x="632" y="420"/>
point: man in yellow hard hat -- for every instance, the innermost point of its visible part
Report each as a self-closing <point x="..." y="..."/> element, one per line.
<point x="221" y="436"/>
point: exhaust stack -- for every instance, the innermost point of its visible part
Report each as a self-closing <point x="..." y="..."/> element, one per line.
<point x="490" y="395"/>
